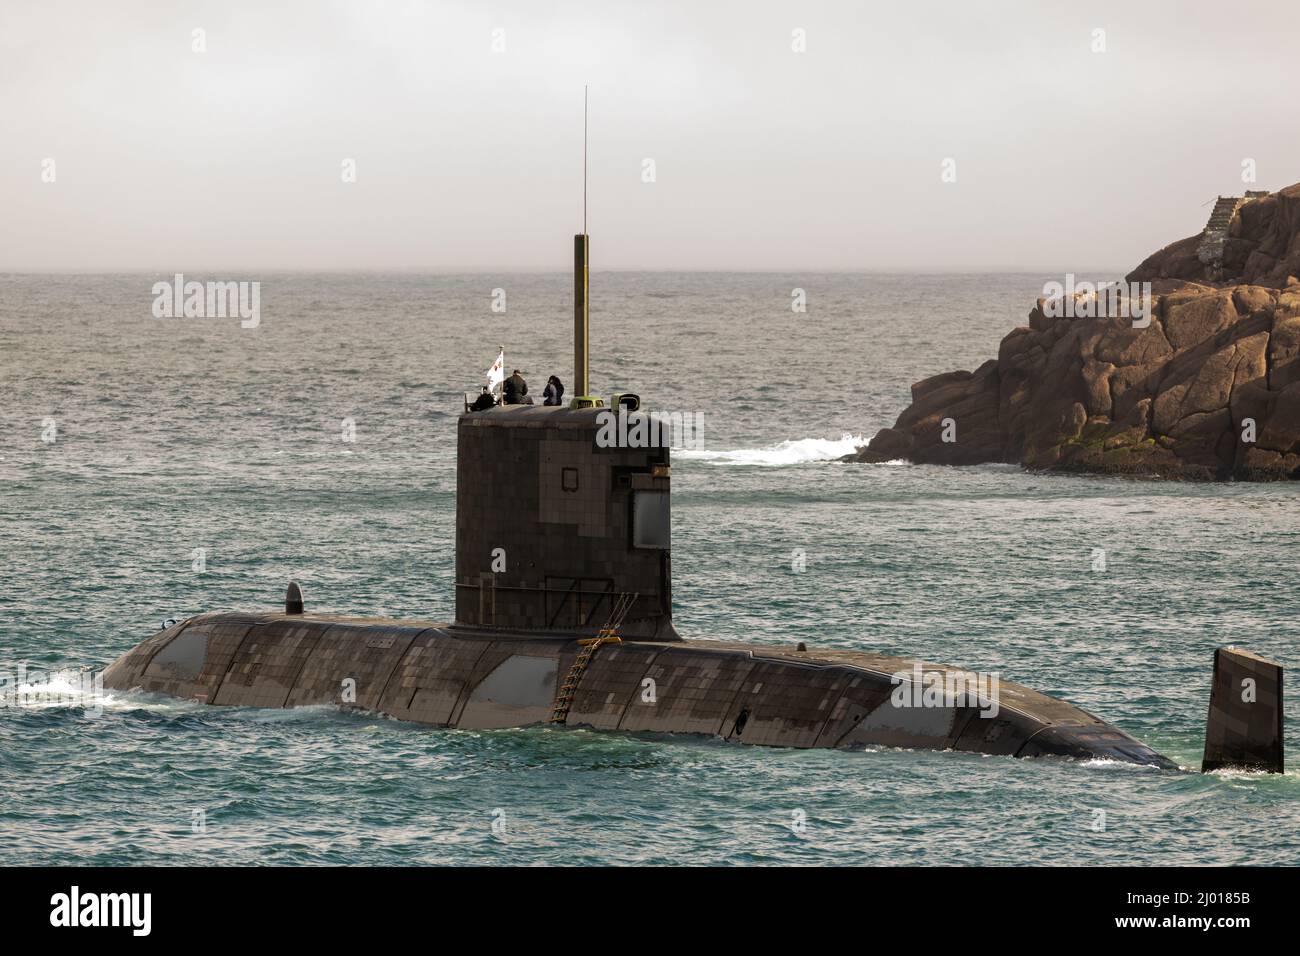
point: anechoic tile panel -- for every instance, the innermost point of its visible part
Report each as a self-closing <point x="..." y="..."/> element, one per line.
<point x="693" y="691"/>
<point x="610" y="686"/>
<point x="263" y="670"/>
<point x="365" y="655"/>
<point x="432" y="677"/>
<point x="860" y="696"/>
<point x="486" y="714"/>
<point x="224" y="637"/>
<point x="786" y="704"/>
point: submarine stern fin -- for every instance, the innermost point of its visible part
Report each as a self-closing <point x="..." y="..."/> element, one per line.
<point x="1244" y="728"/>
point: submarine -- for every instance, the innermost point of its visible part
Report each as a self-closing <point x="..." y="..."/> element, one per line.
<point x="564" y="616"/>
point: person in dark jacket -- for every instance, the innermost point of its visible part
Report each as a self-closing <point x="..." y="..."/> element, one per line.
<point x="515" y="389"/>
<point x="553" y="394"/>
<point x="483" y="402"/>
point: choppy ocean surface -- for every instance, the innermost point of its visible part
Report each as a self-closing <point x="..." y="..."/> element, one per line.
<point x="182" y="434"/>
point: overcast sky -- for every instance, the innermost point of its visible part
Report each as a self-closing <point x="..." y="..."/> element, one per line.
<point x="469" y="159"/>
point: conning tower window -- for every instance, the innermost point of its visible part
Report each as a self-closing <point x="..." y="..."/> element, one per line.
<point x="651" y="527"/>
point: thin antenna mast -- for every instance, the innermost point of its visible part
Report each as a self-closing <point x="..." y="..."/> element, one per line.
<point x="581" y="264"/>
<point x="584" y="160"/>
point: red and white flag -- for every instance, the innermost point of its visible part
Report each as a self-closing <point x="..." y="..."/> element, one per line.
<point x="497" y="373"/>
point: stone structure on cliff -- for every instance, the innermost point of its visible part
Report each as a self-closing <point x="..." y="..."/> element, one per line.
<point x="1208" y="388"/>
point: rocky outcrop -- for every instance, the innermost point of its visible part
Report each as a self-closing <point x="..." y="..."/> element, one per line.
<point x="1207" y="387"/>
<point x="1261" y="247"/>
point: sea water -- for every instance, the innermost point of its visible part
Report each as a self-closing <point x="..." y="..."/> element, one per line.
<point x="153" y="468"/>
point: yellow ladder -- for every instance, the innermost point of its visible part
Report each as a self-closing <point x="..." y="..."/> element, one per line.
<point x="606" y="635"/>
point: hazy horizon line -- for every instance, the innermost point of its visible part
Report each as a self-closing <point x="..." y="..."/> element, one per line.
<point x="279" y="270"/>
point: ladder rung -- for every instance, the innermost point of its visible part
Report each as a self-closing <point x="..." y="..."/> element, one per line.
<point x="606" y="635"/>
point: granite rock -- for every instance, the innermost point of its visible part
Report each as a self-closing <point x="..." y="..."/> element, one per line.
<point x="1208" y="388"/>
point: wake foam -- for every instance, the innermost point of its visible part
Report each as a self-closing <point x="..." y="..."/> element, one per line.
<point x="47" y="690"/>
<point x="786" y="453"/>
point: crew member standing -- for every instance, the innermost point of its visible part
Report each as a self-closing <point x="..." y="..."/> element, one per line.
<point x="553" y="394"/>
<point x="515" y="390"/>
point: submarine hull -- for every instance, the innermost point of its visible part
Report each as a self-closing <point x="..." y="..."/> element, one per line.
<point x="450" y="675"/>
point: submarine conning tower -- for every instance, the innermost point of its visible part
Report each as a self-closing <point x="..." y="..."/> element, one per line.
<point x="551" y="527"/>
<point x="560" y="520"/>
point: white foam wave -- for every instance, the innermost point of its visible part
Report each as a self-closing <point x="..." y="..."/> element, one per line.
<point x="786" y="453"/>
<point x="43" y="690"/>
